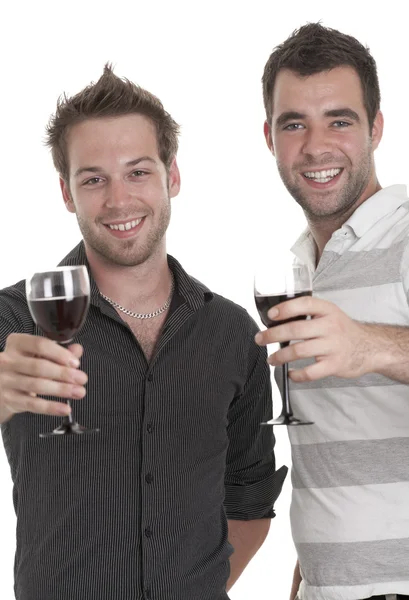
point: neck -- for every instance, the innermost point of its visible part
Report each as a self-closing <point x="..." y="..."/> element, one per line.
<point x="141" y="288"/>
<point x="322" y="228"/>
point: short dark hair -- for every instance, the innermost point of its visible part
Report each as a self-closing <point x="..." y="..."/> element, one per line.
<point x="313" y="49"/>
<point x="110" y="96"/>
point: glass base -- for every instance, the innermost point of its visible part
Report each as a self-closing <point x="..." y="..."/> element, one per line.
<point x="287" y="420"/>
<point x="69" y="429"/>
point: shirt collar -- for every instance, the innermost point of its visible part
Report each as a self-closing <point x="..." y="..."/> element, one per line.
<point x="374" y="209"/>
<point x="191" y="290"/>
<point x="382" y="203"/>
<point x="305" y="249"/>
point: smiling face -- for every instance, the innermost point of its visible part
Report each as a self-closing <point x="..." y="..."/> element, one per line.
<point x="321" y="140"/>
<point x="119" y="188"/>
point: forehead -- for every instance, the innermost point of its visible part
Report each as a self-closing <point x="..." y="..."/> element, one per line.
<point x="339" y="87"/>
<point x="109" y="136"/>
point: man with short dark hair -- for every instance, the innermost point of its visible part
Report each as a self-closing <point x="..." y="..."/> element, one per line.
<point x="350" y="516"/>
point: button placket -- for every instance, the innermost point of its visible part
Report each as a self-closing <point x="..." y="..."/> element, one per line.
<point x="148" y="531"/>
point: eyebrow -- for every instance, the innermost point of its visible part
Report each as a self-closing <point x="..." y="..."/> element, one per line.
<point x="343" y="112"/>
<point x="130" y="163"/>
<point x="292" y="115"/>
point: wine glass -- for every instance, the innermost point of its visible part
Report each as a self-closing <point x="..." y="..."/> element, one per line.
<point x="58" y="301"/>
<point x="272" y="285"/>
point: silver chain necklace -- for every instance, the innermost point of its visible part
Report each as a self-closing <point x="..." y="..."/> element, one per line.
<point x="150" y="315"/>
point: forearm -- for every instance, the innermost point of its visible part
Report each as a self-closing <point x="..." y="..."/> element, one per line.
<point x="246" y="537"/>
<point x="296" y="582"/>
<point x="388" y="351"/>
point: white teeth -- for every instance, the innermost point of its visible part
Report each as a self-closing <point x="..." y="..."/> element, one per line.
<point x="322" y="176"/>
<point x="126" y="226"/>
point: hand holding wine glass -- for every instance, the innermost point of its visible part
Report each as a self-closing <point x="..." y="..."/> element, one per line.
<point x="58" y="301"/>
<point x="272" y="286"/>
<point x="32" y="366"/>
<point x="340" y="346"/>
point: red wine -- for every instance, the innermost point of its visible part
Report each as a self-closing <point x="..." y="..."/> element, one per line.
<point x="59" y="318"/>
<point x="264" y="303"/>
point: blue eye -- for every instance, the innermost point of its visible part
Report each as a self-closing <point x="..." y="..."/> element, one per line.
<point x="293" y="127"/>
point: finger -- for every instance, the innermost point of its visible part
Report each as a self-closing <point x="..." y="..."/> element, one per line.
<point x="24" y="403"/>
<point x="77" y="350"/>
<point x="295" y="330"/>
<point x="45" y="369"/>
<point x="303" y="306"/>
<point x="43" y="387"/>
<point x="301" y="350"/>
<point x="318" y="370"/>
<point x="23" y="343"/>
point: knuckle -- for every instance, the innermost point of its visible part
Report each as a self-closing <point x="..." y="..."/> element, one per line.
<point x="65" y="374"/>
<point x="47" y="408"/>
<point x="307" y="375"/>
<point x="297" y="351"/>
<point x="37" y="386"/>
<point x="41" y="345"/>
<point x="6" y="396"/>
<point x="65" y="390"/>
<point x="35" y="367"/>
<point x="31" y="405"/>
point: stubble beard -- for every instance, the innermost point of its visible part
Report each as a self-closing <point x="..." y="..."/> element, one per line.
<point x="127" y="253"/>
<point x="340" y="202"/>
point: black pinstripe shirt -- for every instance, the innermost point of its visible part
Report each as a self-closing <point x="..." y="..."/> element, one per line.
<point x="139" y="511"/>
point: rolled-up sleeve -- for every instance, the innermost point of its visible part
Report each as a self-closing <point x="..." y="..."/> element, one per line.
<point x="252" y="483"/>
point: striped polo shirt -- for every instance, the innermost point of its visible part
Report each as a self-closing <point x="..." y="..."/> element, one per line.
<point x="350" y="474"/>
<point x="139" y="511"/>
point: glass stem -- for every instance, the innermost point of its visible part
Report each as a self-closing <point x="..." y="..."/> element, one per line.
<point x="69" y="418"/>
<point x="287" y="411"/>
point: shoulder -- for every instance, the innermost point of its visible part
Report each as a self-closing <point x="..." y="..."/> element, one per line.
<point x="233" y="314"/>
<point x="14" y="294"/>
<point x="14" y="312"/>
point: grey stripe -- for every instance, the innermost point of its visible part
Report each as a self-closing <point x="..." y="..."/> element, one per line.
<point x="360" y="462"/>
<point x="369" y="380"/>
<point x="360" y="269"/>
<point x="354" y="563"/>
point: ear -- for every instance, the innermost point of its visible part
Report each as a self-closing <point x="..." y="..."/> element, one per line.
<point x="268" y="136"/>
<point x="174" y="179"/>
<point x="377" y="130"/>
<point x="66" y="194"/>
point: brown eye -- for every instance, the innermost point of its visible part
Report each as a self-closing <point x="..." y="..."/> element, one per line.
<point x="92" y="181"/>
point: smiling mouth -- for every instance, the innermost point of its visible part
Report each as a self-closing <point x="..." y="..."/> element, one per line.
<point x="126" y="226"/>
<point x="322" y="176"/>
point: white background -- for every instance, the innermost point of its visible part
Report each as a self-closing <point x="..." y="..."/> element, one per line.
<point x="205" y="61"/>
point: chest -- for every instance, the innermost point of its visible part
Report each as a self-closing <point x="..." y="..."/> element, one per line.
<point x="146" y="331"/>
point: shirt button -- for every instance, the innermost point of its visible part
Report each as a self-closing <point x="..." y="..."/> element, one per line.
<point x="149" y="478"/>
<point x="149" y="427"/>
<point x="148" y="532"/>
<point x="150" y="376"/>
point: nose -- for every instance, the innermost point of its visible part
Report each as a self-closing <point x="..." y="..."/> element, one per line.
<point x="317" y="141"/>
<point x="118" y="194"/>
